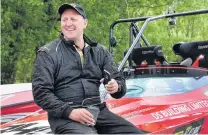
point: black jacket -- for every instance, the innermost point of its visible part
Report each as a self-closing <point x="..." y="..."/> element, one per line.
<point x="60" y="80"/>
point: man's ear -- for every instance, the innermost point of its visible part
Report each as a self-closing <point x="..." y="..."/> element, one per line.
<point x="85" y="22"/>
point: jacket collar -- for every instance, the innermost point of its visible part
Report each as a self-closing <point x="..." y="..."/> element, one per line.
<point x="89" y="41"/>
<point x="86" y="39"/>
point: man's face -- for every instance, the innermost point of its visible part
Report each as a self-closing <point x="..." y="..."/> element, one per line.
<point x="72" y="24"/>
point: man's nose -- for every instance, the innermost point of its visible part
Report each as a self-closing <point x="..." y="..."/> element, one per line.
<point x="68" y="23"/>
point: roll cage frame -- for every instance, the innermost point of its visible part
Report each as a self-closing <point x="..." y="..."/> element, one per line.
<point x="138" y="33"/>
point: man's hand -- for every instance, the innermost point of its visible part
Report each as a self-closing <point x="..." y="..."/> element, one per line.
<point x="83" y="116"/>
<point x="111" y="87"/>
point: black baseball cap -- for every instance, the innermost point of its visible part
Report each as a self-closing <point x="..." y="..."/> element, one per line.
<point x="74" y="6"/>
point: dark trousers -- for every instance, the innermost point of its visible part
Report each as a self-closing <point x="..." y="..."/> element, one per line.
<point x="107" y="123"/>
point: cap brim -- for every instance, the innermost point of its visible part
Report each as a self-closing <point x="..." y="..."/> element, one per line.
<point x="63" y="7"/>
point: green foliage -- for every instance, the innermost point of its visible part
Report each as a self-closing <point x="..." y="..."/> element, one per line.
<point x="27" y="24"/>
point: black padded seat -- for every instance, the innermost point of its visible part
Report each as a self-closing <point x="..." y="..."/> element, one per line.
<point x="193" y="50"/>
<point x="150" y="54"/>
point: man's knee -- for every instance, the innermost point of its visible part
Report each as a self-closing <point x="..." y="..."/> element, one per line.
<point x="71" y="127"/>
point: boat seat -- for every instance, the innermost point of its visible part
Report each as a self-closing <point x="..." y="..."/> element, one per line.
<point x="193" y="50"/>
<point x="148" y="54"/>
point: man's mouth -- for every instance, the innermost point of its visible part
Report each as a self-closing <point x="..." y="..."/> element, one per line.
<point x="70" y="29"/>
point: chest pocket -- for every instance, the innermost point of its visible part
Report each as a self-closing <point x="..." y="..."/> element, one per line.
<point x="67" y="68"/>
<point x="92" y="67"/>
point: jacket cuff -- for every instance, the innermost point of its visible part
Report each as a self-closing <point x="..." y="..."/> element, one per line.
<point x="67" y="112"/>
<point x="120" y="93"/>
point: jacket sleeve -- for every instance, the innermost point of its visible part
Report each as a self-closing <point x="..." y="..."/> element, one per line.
<point x="43" y="87"/>
<point x="110" y="66"/>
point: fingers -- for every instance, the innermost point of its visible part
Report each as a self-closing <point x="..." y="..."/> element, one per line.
<point x="102" y="80"/>
<point x="83" y="116"/>
<point x="112" y="86"/>
<point x="88" y="118"/>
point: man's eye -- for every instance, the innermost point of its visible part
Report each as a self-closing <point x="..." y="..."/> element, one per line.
<point x="73" y="19"/>
<point x="64" y="20"/>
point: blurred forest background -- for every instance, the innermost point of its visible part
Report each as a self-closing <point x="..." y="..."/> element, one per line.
<point x="27" y="24"/>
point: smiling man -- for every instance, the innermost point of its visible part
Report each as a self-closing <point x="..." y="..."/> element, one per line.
<point x="73" y="23"/>
<point x="68" y="71"/>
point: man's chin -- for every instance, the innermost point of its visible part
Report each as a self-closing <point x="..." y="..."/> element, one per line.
<point x="69" y="38"/>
